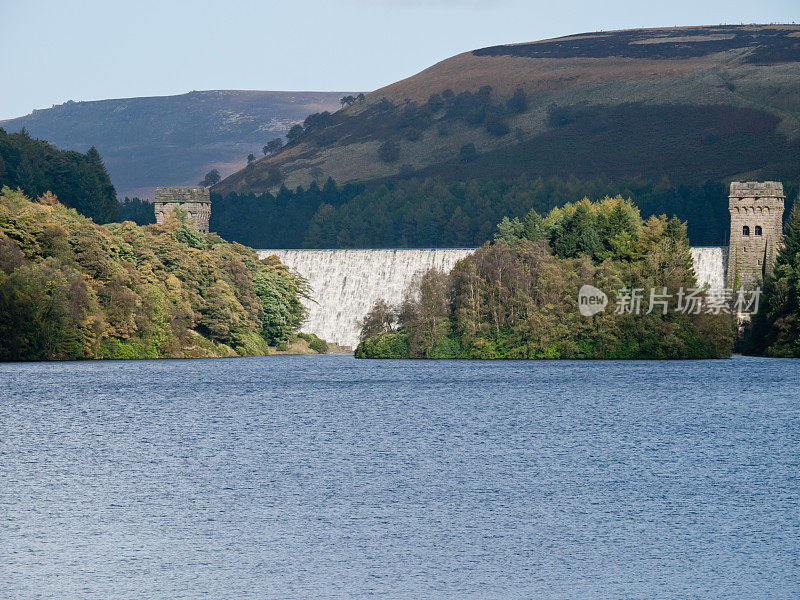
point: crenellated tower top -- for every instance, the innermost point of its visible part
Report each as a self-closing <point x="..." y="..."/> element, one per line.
<point x="195" y="201"/>
<point x="757" y="189"/>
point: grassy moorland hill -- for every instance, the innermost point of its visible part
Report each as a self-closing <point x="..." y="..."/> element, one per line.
<point x="689" y="103"/>
<point x="173" y="140"/>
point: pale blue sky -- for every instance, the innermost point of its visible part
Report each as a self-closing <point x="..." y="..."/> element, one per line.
<point x="57" y="50"/>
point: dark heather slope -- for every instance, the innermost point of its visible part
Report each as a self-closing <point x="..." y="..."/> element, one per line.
<point x="764" y="45"/>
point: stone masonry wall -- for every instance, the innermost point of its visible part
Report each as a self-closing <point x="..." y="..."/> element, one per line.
<point x="756" y="228"/>
<point x="195" y="201"/>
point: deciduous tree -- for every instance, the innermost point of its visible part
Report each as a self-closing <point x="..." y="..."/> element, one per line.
<point x="211" y="178"/>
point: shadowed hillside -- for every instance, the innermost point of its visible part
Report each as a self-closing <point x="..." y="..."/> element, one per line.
<point x="692" y="103"/>
<point x="173" y="140"/>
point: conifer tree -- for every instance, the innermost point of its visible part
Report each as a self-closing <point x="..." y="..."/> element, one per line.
<point x="776" y="325"/>
<point x="79" y="180"/>
<point x="104" y="206"/>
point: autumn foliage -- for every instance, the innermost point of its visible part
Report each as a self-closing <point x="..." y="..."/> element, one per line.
<point x="72" y="289"/>
<point x="517" y="297"/>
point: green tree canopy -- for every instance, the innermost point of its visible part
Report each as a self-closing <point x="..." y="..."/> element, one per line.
<point x="776" y="325"/>
<point x="273" y="146"/>
<point x="389" y="152"/>
<point x="518" y="297"/>
<point x="79" y="180"/>
<point x="70" y="288"/>
<point x="211" y="178"/>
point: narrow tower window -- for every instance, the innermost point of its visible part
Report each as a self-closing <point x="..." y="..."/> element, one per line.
<point x="758" y="229"/>
<point x="746" y="230"/>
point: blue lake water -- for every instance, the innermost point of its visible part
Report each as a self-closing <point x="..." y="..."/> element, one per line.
<point x="327" y="477"/>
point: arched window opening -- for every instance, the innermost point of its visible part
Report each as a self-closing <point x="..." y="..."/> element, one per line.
<point x="746" y="230"/>
<point x="758" y="229"/>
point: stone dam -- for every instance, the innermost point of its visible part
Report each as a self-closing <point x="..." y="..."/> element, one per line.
<point x="347" y="283"/>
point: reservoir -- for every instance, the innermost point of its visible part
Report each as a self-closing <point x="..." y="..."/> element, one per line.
<point x="329" y="477"/>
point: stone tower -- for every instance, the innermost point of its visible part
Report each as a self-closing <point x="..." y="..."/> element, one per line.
<point x="194" y="201"/>
<point x="756" y="229"/>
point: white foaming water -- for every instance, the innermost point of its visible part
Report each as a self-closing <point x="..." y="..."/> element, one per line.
<point x="347" y="283"/>
<point x="710" y="265"/>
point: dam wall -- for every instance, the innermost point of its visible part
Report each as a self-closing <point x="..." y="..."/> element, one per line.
<point x="347" y="283"/>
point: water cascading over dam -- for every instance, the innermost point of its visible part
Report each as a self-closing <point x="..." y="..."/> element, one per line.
<point x="347" y="283"/>
<point x="710" y="265"/>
